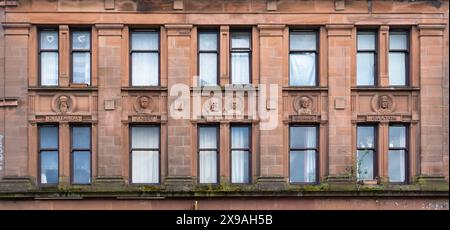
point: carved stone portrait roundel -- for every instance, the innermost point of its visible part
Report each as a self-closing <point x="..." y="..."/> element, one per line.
<point x="63" y="104"/>
<point x="144" y="104"/>
<point x="303" y="105"/>
<point x="383" y="104"/>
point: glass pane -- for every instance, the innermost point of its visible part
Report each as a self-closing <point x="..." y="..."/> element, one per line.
<point x="145" y="69"/>
<point x="398" y="40"/>
<point x="302" y="69"/>
<point x="240" y="68"/>
<point x="397" y="68"/>
<point x="365" y="71"/>
<point x="49" y="68"/>
<point x="145" y="137"/>
<point x="240" y="137"/>
<point x="365" y="165"/>
<point x="208" y="41"/>
<point x="81" y="40"/>
<point x="49" y="167"/>
<point x="240" y="40"/>
<point x="144" y="40"/>
<point x="145" y="167"/>
<point x="81" y="137"/>
<point x="366" y="138"/>
<point x="303" y="137"/>
<point x="366" y="40"/>
<point x="82" y="68"/>
<point x="207" y="137"/>
<point x="240" y="167"/>
<point x="396" y="165"/>
<point x="302" y="168"/>
<point x="208" y="69"/>
<point x="81" y="167"/>
<point x="208" y="167"/>
<point x="303" y="41"/>
<point x="397" y="137"/>
<point x="48" y="137"/>
<point x="49" y="40"/>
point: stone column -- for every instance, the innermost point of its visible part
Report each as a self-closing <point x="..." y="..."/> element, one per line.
<point x="272" y="55"/>
<point x="14" y="106"/>
<point x="432" y="75"/>
<point x="340" y="54"/>
<point x="179" y="141"/>
<point x="110" y="163"/>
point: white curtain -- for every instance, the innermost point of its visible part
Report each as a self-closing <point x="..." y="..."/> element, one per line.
<point x="302" y="69"/>
<point x="397" y="68"/>
<point x="82" y="68"/>
<point x="208" y="158"/>
<point x="145" y="69"/>
<point x="208" y="69"/>
<point x="396" y="165"/>
<point x="365" y="69"/>
<point x="240" y="159"/>
<point x="49" y="68"/>
<point x="240" y="72"/>
<point x="303" y="163"/>
<point x="144" y="40"/>
<point x="302" y="41"/>
<point x="145" y="163"/>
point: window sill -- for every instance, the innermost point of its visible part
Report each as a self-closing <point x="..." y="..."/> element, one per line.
<point x="366" y="88"/>
<point x="57" y="88"/>
<point x="305" y="88"/>
<point x="144" y="88"/>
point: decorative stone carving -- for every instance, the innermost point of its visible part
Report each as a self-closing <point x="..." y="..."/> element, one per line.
<point x="211" y="106"/>
<point x="303" y="105"/>
<point x="63" y="104"/>
<point x="383" y="104"/>
<point x="235" y="105"/>
<point x="144" y="104"/>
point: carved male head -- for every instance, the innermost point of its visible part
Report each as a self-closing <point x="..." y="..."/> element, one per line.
<point x="144" y="102"/>
<point x="63" y="104"/>
<point x="305" y="102"/>
<point x="384" y="102"/>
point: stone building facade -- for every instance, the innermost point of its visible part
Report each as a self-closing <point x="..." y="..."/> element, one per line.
<point x="251" y="104"/>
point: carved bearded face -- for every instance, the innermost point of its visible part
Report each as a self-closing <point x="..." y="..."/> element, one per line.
<point x="63" y="104"/>
<point x="384" y="102"/>
<point x="143" y="102"/>
<point x="305" y="102"/>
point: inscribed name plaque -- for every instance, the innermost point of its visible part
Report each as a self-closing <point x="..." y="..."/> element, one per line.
<point x="59" y="118"/>
<point x="147" y="118"/>
<point x="310" y="118"/>
<point x="383" y="118"/>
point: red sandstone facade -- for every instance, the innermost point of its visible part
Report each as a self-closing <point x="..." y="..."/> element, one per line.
<point x="109" y="103"/>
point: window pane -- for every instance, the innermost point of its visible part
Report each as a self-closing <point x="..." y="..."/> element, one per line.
<point x="240" y="72"/>
<point x="397" y="137"/>
<point x="81" y="167"/>
<point x="303" y="41"/>
<point x="365" y="165"/>
<point x="81" y="137"/>
<point x="303" y="69"/>
<point x="396" y="165"/>
<point x="365" y="68"/>
<point x="397" y="68"/>
<point x="81" y="40"/>
<point x="398" y="40"/>
<point x="207" y="137"/>
<point x="82" y="68"/>
<point x="145" y="137"/>
<point x="49" y="68"/>
<point x="208" y="41"/>
<point x="144" y="40"/>
<point x="240" y="40"/>
<point x="208" y="69"/>
<point x="49" y="40"/>
<point x="208" y="167"/>
<point x="366" y="137"/>
<point x="145" y="69"/>
<point x="240" y="137"/>
<point x="302" y="167"/>
<point x="240" y="167"/>
<point x="49" y="167"/>
<point x="48" y="137"/>
<point x="303" y="137"/>
<point x="366" y="41"/>
<point x="145" y="167"/>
